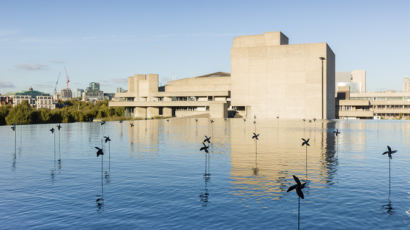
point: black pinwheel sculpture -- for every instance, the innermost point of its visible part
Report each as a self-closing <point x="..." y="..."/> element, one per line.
<point x="99" y="152"/>
<point x="13" y="127"/>
<point x="336" y="132"/>
<point x="207" y="139"/>
<point x="204" y="148"/>
<point x="305" y="142"/>
<point x="100" y="199"/>
<point x="298" y="187"/>
<point x="54" y="136"/>
<point x="132" y="124"/>
<point x="107" y="139"/>
<point x="389" y="153"/>
<point x="59" y="145"/>
<point x="255" y="136"/>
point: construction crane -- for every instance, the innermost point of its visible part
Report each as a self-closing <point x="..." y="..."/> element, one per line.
<point x="66" y="75"/>
<point x="58" y="78"/>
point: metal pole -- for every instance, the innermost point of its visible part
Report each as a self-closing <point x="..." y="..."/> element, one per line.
<point x="102" y="183"/>
<point x="109" y="156"/>
<point x="54" y="135"/>
<point x="298" y="213"/>
<point x="59" y="145"/>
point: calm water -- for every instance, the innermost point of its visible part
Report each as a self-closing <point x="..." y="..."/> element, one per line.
<point x="157" y="176"/>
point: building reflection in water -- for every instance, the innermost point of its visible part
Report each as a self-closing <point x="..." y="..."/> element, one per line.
<point x="143" y="136"/>
<point x="280" y="155"/>
<point x="267" y="172"/>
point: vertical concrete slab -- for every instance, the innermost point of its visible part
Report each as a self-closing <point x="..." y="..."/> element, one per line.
<point x="152" y="112"/>
<point x="167" y="112"/>
<point x="140" y="112"/>
<point x="218" y="110"/>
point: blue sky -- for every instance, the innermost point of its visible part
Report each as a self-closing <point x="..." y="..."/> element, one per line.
<point x="107" y="41"/>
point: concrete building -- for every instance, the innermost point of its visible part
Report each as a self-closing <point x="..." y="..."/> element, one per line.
<point x="66" y="94"/>
<point x="271" y="77"/>
<point x="5" y="100"/>
<point x="18" y="99"/>
<point x="373" y="105"/>
<point x="356" y="80"/>
<point x="406" y="84"/>
<point x="206" y="95"/>
<point x="93" y="93"/>
<point x="79" y="93"/>
<point x="45" y="102"/>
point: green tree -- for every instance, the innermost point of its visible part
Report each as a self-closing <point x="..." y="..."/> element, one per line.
<point x="19" y="114"/>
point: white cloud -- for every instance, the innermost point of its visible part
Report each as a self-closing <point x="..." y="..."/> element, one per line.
<point x="32" y="66"/>
<point x="6" y="85"/>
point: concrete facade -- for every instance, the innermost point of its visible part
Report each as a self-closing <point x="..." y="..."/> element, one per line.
<point x="406" y="84"/>
<point x="373" y="105"/>
<point x="272" y="78"/>
<point x="182" y="98"/>
<point x="45" y="102"/>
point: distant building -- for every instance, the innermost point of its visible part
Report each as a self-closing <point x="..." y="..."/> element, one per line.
<point x="66" y="94"/>
<point x="93" y="93"/>
<point x="406" y="84"/>
<point x="6" y="100"/>
<point x="45" y="102"/>
<point x="372" y="105"/>
<point x="121" y="90"/>
<point x="18" y="99"/>
<point x="356" y="80"/>
<point x="109" y="96"/>
<point x="79" y="93"/>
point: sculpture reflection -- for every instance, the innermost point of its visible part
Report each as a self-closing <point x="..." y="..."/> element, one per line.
<point x="204" y="196"/>
<point x="282" y="156"/>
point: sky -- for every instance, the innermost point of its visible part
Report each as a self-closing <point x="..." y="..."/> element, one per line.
<point x="107" y="41"/>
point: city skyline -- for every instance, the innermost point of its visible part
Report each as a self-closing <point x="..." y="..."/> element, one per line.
<point x="106" y="42"/>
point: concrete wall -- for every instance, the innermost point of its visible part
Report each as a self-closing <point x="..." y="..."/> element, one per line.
<point x="140" y="112"/>
<point x="218" y="110"/>
<point x="167" y="112"/>
<point x="199" y="84"/>
<point x="186" y="113"/>
<point x="329" y="90"/>
<point x="283" y="80"/>
<point x="152" y="112"/>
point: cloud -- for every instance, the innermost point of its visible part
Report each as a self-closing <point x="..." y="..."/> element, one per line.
<point x="6" y="85"/>
<point x="32" y="67"/>
<point x="119" y="80"/>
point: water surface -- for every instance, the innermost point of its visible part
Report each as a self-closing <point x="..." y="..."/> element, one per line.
<point x="157" y="175"/>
